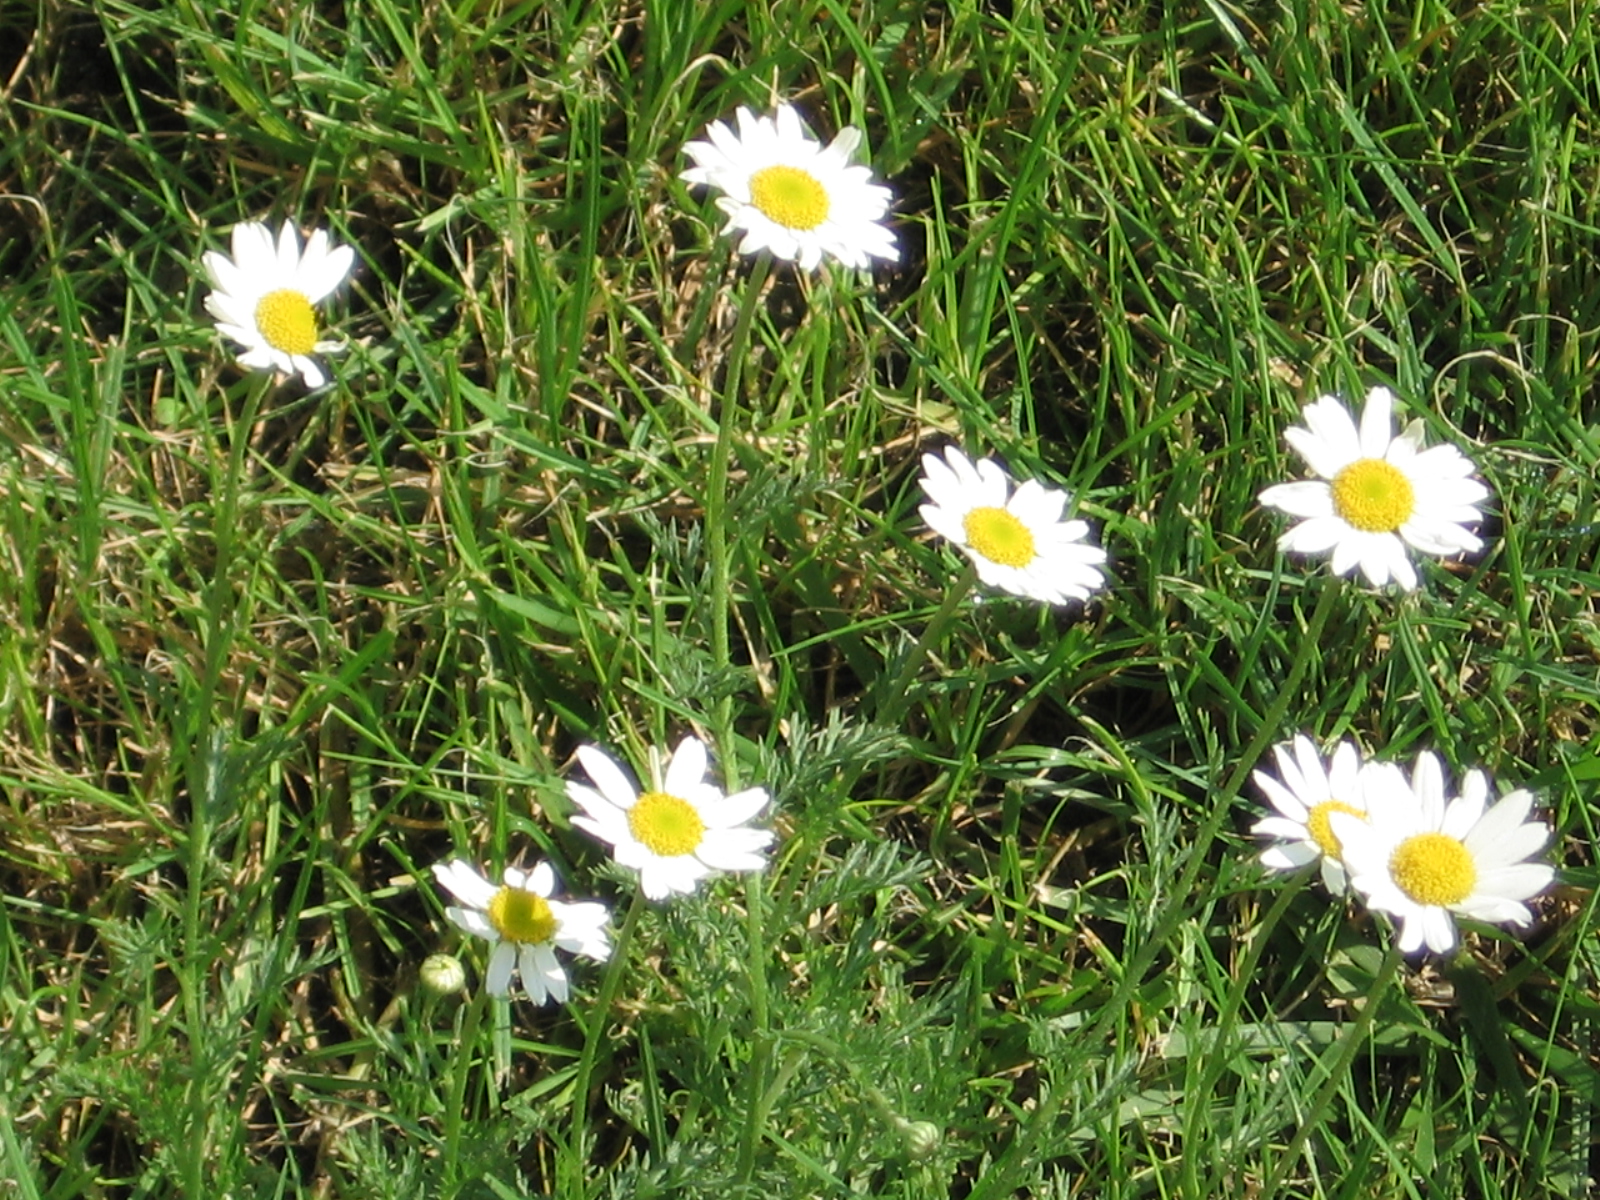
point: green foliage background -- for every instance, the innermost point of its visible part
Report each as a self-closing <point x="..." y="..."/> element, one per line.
<point x="267" y="656"/>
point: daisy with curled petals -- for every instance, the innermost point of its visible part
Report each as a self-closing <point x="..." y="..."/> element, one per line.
<point x="264" y="295"/>
<point x="1016" y="539"/>
<point x="679" y="831"/>
<point x="1377" y="494"/>
<point x="1306" y="794"/>
<point x="792" y="195"/>
<point x="525" y="926"/>
<point x="1426" y="860"/>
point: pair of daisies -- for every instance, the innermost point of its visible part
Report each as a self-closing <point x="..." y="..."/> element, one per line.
<point x="1411" y="850"/>
<point x="783" y="192"/>
<point x="674" y="834"/>
<point x="1376" y="495"/>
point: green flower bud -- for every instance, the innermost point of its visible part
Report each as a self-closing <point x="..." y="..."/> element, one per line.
<point x="920" y="1138"/>
<point x="442" y="975"/>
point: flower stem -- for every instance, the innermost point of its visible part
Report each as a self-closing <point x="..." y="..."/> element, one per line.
<point x="599" y="1018"/>
<point x="205" y="748"/>
<point x="466" y="1035"/>
<point x="918" y="654"/>
<point x="759" y="1098"/>
<point x="1355" y="1036"/>
<point x="718" y="551"/>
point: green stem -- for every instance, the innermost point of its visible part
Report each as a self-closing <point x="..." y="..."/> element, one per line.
<point x="201" y="779"/>
<point x="759" y="1097"/>
<point x="1355" y="1036"/>
<point x="999" y="1180"/>
<point x="719" y="552"/>
<point x="466" y="1036"/>
<point x="716" y="505"/>
<point x="1197" y="1100"/>
<point x="600" y="1017"/>
<point x="918" y="654"/>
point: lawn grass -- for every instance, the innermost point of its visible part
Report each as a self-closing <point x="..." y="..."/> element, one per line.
<point x="586" y="476"/>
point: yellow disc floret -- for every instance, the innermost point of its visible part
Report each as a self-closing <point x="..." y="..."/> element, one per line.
<point x="789" y="196"/>
<point x="1321" y="829"/>
<point x="999" y="536"/>
<point x="1374" y="496"/>
<point x="1433" y="868"/>
<point x="285" y="319"/>
<point x="666" y="825"/>
<point x="521" y="916"/>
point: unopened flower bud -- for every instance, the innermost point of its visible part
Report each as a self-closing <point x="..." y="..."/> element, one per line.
<point x="442" y="975"/>
<point x="920" y="1138"/>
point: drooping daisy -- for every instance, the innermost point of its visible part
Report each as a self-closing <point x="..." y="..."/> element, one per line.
<point x="1306" y="794"/>
<point x="264" y="295"/>
<point x="679" y="831"/>
<point x="1377" y="493"/>
<point x="790" y="194"/>
<point x="525" y="926"/>
<point x="1424" y="859"/>
<point x="1016" y="539"/>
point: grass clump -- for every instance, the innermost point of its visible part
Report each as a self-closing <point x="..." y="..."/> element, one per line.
<point x="585" y="475"/>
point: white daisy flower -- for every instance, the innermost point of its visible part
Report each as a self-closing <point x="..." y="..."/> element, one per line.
<point x="264" y="295"/>
<point x="792" y="195"/>
<point x="1421" y="858"/>
<point x="1017" y="540"/>
<point x="1378" y="493"/>
<point x="1306" y="794"/>
<point x="678" y="832"/>
<point x="525" y="926"/>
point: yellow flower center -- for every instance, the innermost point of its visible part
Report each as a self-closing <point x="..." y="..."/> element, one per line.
<point x="521" y="916"/>
<point x="285" y="319"/>
<point x="666" y="825"/>
<point x="999" y="537"/>
<point x="1321" y="829"/>
<point x="789" y="196"/>
<point x="1433" y="868"/>
<point x="1374" y="496"/>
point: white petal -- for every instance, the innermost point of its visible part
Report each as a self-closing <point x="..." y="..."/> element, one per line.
<point x="1427" y="782"/>
<point x="660" y="877"/>
<point x="542" y="976"/>
<point x="734" y="849"/>
<point x="542" y="880"/>
<point x="686" y="770"/>
<point x="1308" y="498"/>
<point x="1519" y="881"/>
<point x="613" y="785"/>
<point x="1289" y="856"/>
<point x="736" y="809"/>
<point x="1377" y="423"/>
<point x="1495" y="910"/>
<point x="501" y="963"/>
<point x="1336" y="443"/>
<point x="1315" y="536"/>
<point x="470" y="920"/>
<point x="465" y="882"/>
<point x="1438" y="929"/>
